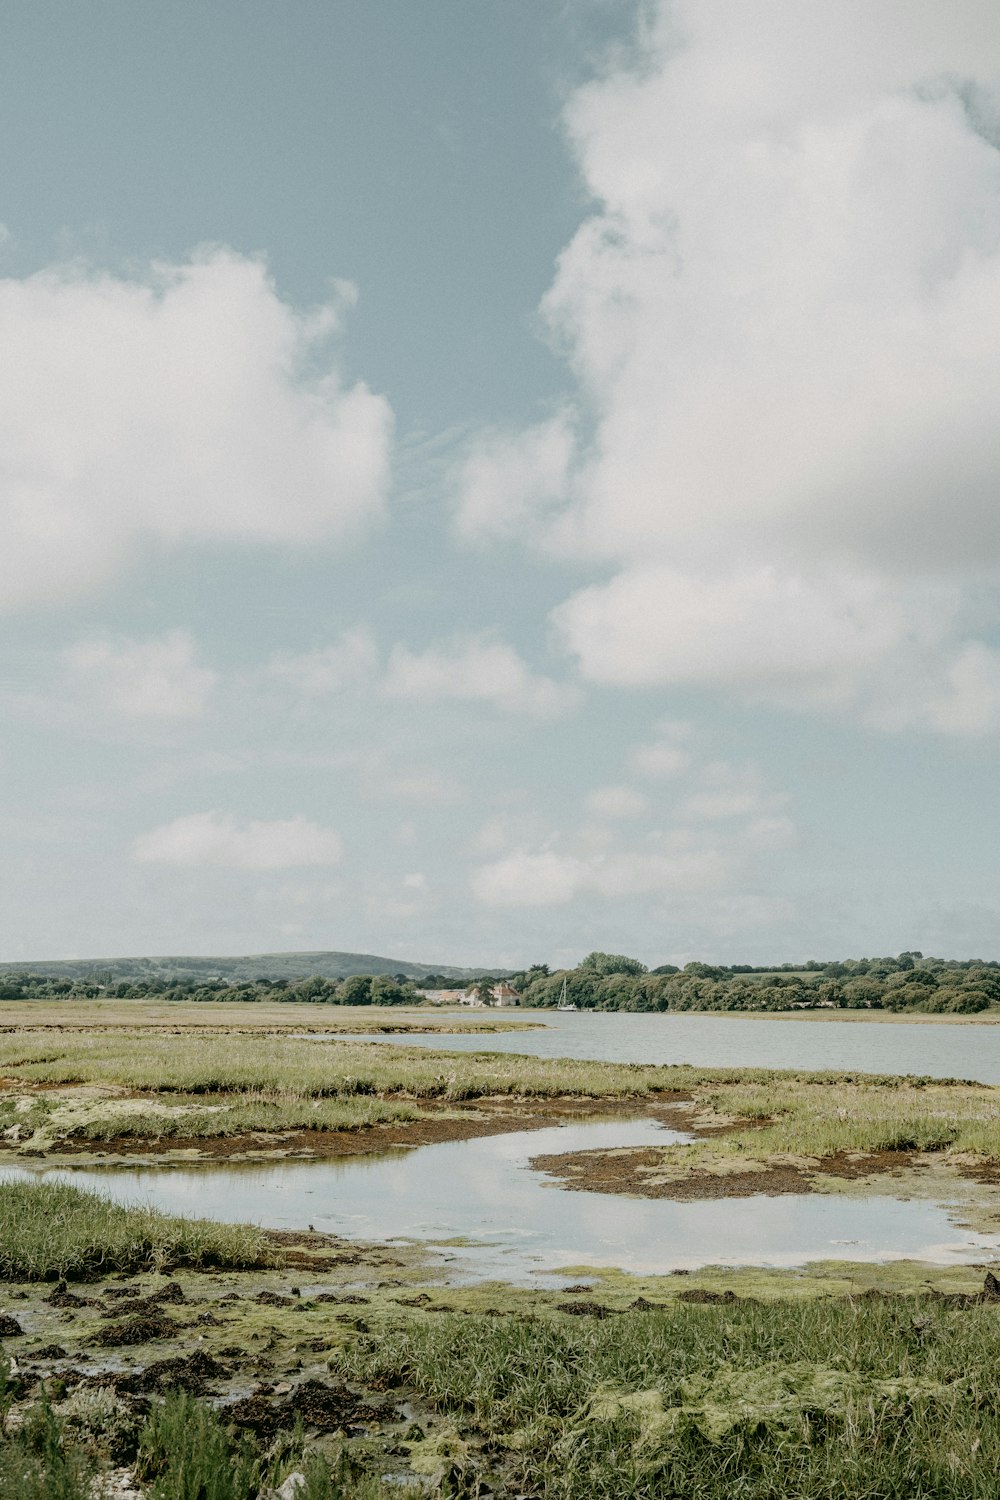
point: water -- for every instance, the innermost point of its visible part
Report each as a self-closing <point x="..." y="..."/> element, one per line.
<point x="936" y="1051"/>
<point x="518" y="1225"/>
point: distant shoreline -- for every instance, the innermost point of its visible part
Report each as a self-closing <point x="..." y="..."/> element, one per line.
<point x="882" y="1017"/>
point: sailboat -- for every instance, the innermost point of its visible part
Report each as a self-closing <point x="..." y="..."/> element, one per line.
<point x="562" y="1004"/>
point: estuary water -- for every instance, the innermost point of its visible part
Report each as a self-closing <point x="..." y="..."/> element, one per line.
<point x="490" y="1215"/>
<point x="921" y="1048"/>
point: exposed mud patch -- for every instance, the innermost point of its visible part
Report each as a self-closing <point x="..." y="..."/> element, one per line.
<point x="631" y="1171"/>
<point x="645" y="1172"/>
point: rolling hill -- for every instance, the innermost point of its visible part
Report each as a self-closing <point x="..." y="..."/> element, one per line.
<point x="330" y="965"/>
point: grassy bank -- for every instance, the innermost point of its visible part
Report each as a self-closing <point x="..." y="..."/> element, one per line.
<point x="50" y="1230"/>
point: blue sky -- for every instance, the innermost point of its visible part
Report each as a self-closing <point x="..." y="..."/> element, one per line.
<point x="484" y="482"/>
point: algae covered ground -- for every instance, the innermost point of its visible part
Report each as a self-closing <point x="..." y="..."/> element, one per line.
<point x="177" y="1360"/>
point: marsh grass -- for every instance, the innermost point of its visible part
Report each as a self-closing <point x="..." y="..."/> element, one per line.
<point x="187" y="1117"/>
<point x="815" y="1401"/>
<point x="824" y="1120"/>
<point x="309" y="1069"/>
<point x="51" y="1229"/>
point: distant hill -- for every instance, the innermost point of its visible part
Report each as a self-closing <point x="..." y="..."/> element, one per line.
<point x="249" y="966"/>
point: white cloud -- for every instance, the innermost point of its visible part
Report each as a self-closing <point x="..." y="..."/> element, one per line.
<point x="169" y="409"/>
<point x="476" y="669"/>
<point x="781" y="315"/>
<point x="351" y="659"/>
<point x="615" y="802"/>
<point x="155" y="679"/>
<point x="528" y="878"/>
<point x="752" y="629"/>
<point x="509" y="478"/>
<point x="214" y="838"/>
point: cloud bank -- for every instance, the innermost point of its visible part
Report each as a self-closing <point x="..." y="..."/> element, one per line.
<point x="781" y="322"/>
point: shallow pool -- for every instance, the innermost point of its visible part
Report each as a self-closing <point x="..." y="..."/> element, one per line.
<point x="508" y="1221"/>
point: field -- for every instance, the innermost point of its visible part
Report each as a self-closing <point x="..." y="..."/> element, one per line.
<point x="371" y="1372"/>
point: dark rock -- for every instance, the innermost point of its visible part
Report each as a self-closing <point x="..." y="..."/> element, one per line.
<point x="10" y="1328"/>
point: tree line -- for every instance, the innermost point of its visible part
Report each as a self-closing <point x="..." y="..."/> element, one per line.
<point x="359" y="989"/>
<point x="602" y="981"/>
<point x="907" y="982"/>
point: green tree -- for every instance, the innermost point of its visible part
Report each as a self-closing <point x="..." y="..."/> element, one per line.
<point x="612" y="963"/>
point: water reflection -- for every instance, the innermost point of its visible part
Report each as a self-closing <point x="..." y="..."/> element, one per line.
<point x="513" y="1222"/>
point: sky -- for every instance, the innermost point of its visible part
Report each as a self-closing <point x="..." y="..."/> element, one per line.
<point x="481" y="483"/>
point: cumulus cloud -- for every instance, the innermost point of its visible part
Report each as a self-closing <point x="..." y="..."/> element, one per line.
<point x="159" y="678"/>
<point x="476" y="669"/>
<point x="172" y="408"/>
<point x="350" y="659"/>
<point x="215" y="838"/>
<point x="780" y="317"/>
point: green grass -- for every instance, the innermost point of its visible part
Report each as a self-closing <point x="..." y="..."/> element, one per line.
<point x="185" y="1453"/>
<point x="809" y="1402"/>
<point x="50" y="1230"/>
<point x="821" y="1120"/>
<point x="187" y="1116"/>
